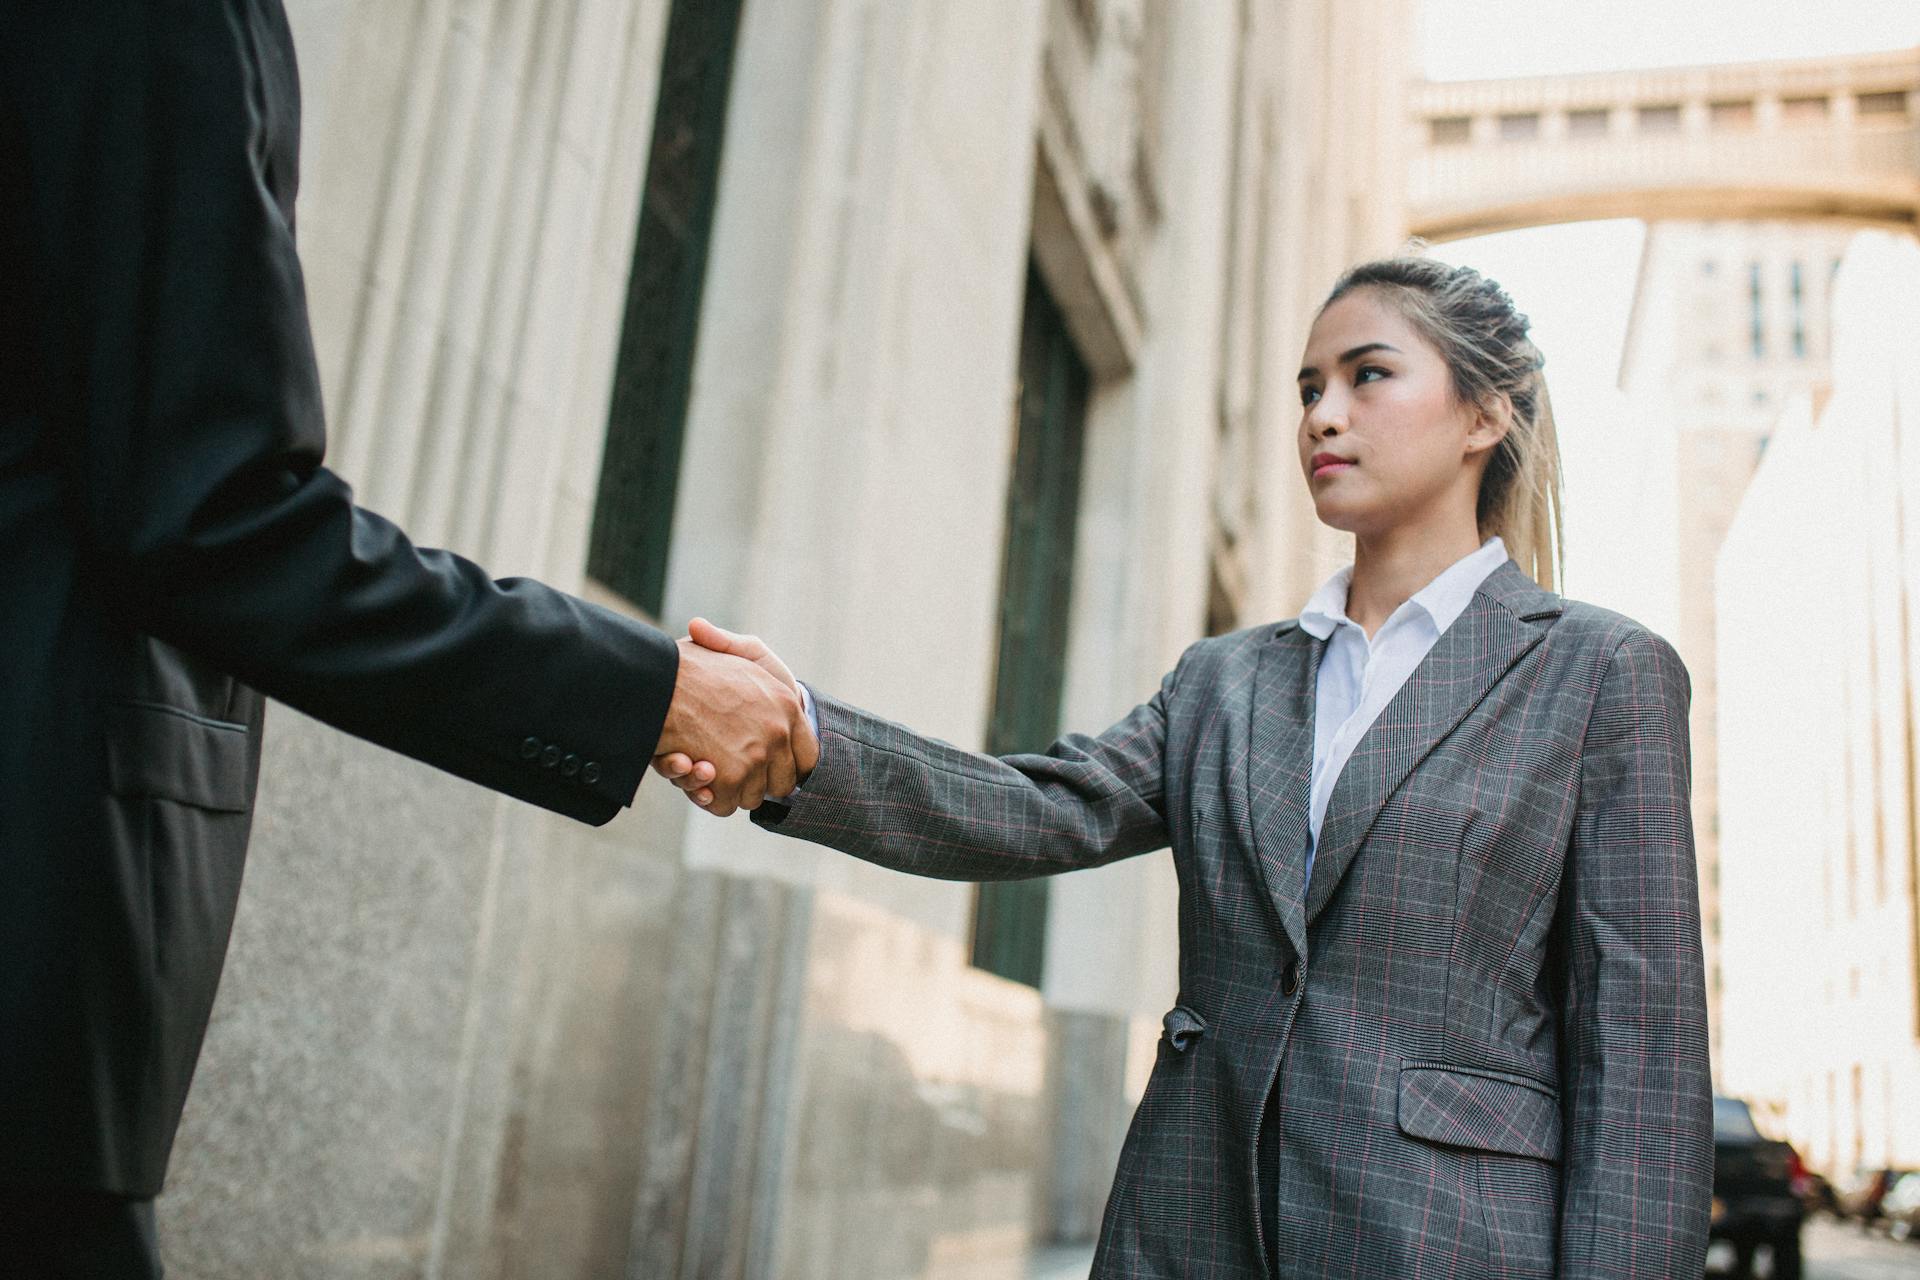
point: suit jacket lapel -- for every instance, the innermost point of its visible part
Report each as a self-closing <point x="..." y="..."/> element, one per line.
<point x="1499" y="625"/>
<point x="1279" y="771"/>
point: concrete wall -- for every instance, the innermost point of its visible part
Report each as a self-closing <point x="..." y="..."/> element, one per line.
<point x="1327" y="86"/>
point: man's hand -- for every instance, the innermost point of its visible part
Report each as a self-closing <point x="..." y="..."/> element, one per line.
<point x="694" y="773"/>
<point x="740" y="718"/>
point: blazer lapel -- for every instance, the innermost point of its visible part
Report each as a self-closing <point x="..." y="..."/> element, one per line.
<point x="1499" y="625"/>
<point x="1279" y="771"/>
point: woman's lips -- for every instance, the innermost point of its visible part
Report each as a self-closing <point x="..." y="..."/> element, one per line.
<point x="1330" y="466"/>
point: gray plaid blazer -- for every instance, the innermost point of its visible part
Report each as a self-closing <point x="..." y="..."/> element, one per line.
<point x="1475" y="1043"/>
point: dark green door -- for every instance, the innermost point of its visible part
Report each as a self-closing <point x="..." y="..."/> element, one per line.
<point x="1043" y="500"/>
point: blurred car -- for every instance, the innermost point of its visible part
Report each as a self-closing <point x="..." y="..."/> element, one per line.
<point x="1817" y="1194"/>
<point x="1755" y="1201"/>
<point x="1861" y="1196"/>
<point x="1901" y="1207"/>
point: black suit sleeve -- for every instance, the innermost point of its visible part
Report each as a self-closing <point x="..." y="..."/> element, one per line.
<point x="157" y="146"/>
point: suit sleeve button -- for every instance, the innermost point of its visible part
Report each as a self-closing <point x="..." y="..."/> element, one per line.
<point x="530" y="748"/>
<point x="550" y="757"/>
<point x="570" y="765"/>
<point x="590" y="773"/>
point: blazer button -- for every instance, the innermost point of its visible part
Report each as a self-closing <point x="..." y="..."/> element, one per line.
<point x="550" y="757"/>
<point x="571" y="765"/>
<point x="590" y="773"/>
<point x="1290" y="980"/>
<point x="530" y="748"/>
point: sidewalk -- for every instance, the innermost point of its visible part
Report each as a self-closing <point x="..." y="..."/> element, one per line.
<point x="1069" y="1263"/>
<point x="1053" y="1262"/>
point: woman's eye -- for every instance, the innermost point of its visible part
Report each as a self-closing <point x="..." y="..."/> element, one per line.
<point x="1361" y="376"/>
<point x="1308" y="395"/>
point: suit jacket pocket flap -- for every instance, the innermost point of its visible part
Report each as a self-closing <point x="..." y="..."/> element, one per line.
<point x="1183" y="1027"/>
<point x="165" y="751"/>
<point x="1485" y="1110"/>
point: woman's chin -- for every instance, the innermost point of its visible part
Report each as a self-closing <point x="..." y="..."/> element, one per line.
<point x="1339" y="515"/>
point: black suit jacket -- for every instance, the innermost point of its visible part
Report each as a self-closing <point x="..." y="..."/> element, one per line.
<point x="171" y="548"/>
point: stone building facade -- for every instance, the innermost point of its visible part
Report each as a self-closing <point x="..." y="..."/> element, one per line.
<point x="947" y="346"/>
<point x="1818" y="592"/>
<point x="1731" y="323"/>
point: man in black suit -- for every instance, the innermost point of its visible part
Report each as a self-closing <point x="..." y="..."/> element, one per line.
<point x="172" y="549"/>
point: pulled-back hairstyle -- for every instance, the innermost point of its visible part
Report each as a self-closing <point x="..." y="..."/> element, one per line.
<point x="1473" y="324"/>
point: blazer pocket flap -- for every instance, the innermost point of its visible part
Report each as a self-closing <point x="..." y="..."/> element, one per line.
<point x="1483" y="1110"/>
<point x="1183" y="1026"/>
<point x="163" y="751"/>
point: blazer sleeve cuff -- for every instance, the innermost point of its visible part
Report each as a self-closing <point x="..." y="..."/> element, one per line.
<point x="835" y="775"/>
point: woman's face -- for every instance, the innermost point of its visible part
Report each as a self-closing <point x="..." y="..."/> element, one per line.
<point x="1384" y="441"/>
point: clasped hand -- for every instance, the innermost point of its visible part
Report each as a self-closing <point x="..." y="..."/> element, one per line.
<point x="736" y="732"/>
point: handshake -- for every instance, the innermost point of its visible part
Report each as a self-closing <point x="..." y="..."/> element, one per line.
<point x="736" y="732"/>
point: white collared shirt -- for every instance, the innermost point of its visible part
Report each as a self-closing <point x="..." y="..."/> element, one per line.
<point x="1358" y="677"/>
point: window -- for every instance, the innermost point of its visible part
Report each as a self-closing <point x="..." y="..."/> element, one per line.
<point x="1519" y="126"/>
<point x="1036" y="583"/>
<point x="1892" y="103"/>
<point x="1733" y="1122"/>
<point x="653" y="369"/>
<point x="1808" y="110"/>
<point x="1587" y="122"/>
<point x="1447" y="131"/>
<point x="1731" y="114"/>
<point x="1659" y="118"/>
<point x="1796" y="289"/>
<point x="1757" y="320"/>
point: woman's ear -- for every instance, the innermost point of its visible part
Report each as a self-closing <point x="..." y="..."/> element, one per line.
<point x="1491" y="422"/>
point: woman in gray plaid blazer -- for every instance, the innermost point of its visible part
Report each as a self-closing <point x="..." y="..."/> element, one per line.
<point x="1443" y="1013"/>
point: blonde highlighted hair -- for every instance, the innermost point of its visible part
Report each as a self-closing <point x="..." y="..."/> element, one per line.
<point x="1496" y="367"/>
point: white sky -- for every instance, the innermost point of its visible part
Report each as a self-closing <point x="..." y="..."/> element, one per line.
<point x="1576" y="297"/>
<point x="1478" y="39"/>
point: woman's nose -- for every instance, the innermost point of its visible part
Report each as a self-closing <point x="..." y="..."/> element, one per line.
<point x="1325" y="418"/>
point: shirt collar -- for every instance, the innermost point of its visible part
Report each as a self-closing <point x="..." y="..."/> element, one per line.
<point x="1443" y="600"/>
<point x="1327" y="608"/>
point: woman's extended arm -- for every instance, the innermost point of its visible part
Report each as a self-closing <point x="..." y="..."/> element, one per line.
<point x="1638" y="1158"/>
<point x="886" y="794"/>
